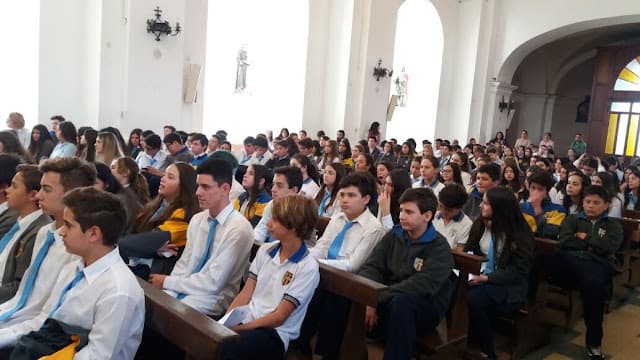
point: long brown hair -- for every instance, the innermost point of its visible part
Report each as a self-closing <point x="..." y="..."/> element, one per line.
<point x="186" y="200"/>
<point x="137" y="182"/>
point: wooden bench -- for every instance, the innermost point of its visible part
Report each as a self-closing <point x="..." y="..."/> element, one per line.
<point x="363" y="292"/>
<point x="198" y="335"/>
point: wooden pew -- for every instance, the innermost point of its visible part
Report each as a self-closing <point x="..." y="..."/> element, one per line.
<point x="631" y="214"/>
<point x="198" y="335"/>
<point x="363" y="292"/>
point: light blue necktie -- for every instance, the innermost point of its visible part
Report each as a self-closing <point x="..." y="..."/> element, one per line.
<point x="31" y="279"/>
<point x="491" y="262"/>
<point x="323" y="202"/>
<point x="207" y="251"/>
<point x="74" y="282"/>
<point x="336" y="245"/>
<point x="8" y="236"/>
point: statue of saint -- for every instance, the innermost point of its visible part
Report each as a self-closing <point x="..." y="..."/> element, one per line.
<point x="241" y="72"/>
<point x="401" y="87"/>
<point x="582" y="113"/>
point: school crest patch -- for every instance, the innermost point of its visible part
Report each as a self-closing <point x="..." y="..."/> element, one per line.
<point x="286" y="279"/>
<point x="602" y="232"/>
<point x="418" y="264"/>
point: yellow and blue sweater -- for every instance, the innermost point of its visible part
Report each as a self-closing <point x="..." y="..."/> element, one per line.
<point x="547" y="224"/>
<point x="254" y="213"/>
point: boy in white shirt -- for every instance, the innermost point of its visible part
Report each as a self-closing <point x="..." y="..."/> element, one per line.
<point x="287" y="180"/>
<point x="450" y="221"/>
<point x="101" y="297"/>
<point x="282" y="279"/>
<point x="207" y="275"/>
<point x="345" y="244"/>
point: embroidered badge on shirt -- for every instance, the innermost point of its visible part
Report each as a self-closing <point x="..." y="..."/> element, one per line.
<point x="418" y="264"/>
<point x="602" y="232"/>
<point x="286" y="279"/>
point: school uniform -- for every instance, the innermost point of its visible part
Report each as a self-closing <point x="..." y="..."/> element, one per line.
<point x="16" y="251"/>
<point x="261" y="232"/>
<point x="547" y="223"/>
<point x="103" y="298"/>
<point x="244" y="158"/>
<point x="157" y="161"/>
<point x="278" y="161"/>
<point x="63" y="150"/>
<point x="418" y="290"/>
<point x="456" y="231"/>
<point x="182" y="155"/>
<point x="436" y="186"/>
<point x="8" y="218"/>
<point x="262" y="159"/>
<point x="309" y="188"/>
<point x="293" y="280"/>
<point x="344" y="245"/>
<point x="587" y="265"/>
<point x="326" y="209"/>
<point x="29" y="300"/>
<point x="207" y="275"/>
<point x="199" y="159"/>
<point x="253" y="214"/>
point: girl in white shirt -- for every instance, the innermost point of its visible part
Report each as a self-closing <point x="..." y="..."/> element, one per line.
<point x="310" y="175"/>
<point x="328" y="204"/>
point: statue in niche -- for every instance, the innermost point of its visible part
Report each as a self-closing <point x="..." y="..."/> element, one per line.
<point x="241" y="71"/>
<point x="401" y="87"/>
<point x="582" y="114"/>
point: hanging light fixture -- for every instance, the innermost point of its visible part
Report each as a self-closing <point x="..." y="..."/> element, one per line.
<point x="158" y="26"/>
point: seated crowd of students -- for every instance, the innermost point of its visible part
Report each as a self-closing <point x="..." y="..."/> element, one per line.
<point x="96" y="210"/>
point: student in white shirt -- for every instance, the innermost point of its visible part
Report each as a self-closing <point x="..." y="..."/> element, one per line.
<point x="327" y="197"/>
<point x="207" y="275"/>
<point x="310" y="175"/>
<point x="245" y="156"/>
<point x="450" y="221"/>
<point x="287" y="180"/>
<point x="429" y="168"/>
<point x="15" y="122"/>
<point x="152" y="156"/>
<point x="282" y="279"/>
<point x="59" y="176"/>
<point x="101" y="296"/>
<point x="17" y="244"/>
<point x="262" y="153"/>
<point x="345" y="244"/>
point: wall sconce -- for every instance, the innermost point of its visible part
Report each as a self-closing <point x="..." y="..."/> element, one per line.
<point x="380" y="72"/>
<point x="158" y="27"/>
<point x="503" y="105"/>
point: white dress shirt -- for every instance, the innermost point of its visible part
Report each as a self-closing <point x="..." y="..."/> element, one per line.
<point x="157" y="161"/>
<point x="107" y="301"/>
<point x="23" y="224"/>
<point x="262" y="159"/>
<point x="63" y="150"/>
<point x="57" y="258"/>
<point x="294" y="280"/>
<point x="309" y="188"/>
<point x="358" y="242"/>
<point x="261" y="232"/>
<point x="456" y="231"/>
<point x="211" y="290"/>
<point x="436" y="186"/>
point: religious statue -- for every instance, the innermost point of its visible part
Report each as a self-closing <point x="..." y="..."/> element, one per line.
<point x="401" y="87"/>
<point x="582" y="115"/>
<point x="241" y="72"/>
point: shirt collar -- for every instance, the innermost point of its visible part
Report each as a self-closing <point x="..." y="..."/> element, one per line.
<point x="295" y="258"/>
<point x="360" y="219"/>
<point x="204" y="154"/>
<point x="183" y="150"/>
<point x="583" y="215"/>
<point x="308" y="180"/>
<point x="433" y="183"/>
<point x="4" y="207"/>
<point x="224" y="214"/>
<point x="93" y="271"/>
<point x="426" y="237"/>
<point x="456" y="218"/>
<point x="27" y="220"/>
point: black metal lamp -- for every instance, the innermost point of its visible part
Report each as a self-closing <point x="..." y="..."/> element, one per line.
<point x="380" y="72"/>
<point x="158" y="26"/>
<point x="503" y="105"/>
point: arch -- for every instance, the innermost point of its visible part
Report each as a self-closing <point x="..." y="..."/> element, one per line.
<point x="513" y="60"/>
<point x="570" y="65"/>
<point x="417" y="65"/>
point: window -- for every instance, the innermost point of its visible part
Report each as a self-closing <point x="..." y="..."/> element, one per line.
<point x="622" y="133"/>
<point x="629" y="77"/>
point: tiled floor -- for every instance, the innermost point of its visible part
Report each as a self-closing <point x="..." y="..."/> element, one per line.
<point x="621" y="337"/>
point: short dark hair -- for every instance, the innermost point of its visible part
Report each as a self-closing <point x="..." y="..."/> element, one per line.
<point x="201" y="138"/>
<point x="293" y="175"/>
<point x="31" y="176"/>
<point x="171" y="138"/>
<point x="249" y="140"/>
<point x="73" y="171"/>
<point x="58" y="118"/>
<point x="541" y="177"/>
<point x="283" y="143"/>
<point x="220" y="170"/>
<point x="153" y="141"/>
<point x="590" y="162"/>
<point x="493" y="170"/>
<point x="92" y="207"/>
<point x="424" y="198"/>
<point x="598" y="191"/>
<point x="453" y="196"/>
<point x="8" y="164"/>
<point x="261" y="142"/>
<point x="363" y="180"/>
<point x="306" y="142"/>
<point x="173" y="128"/>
